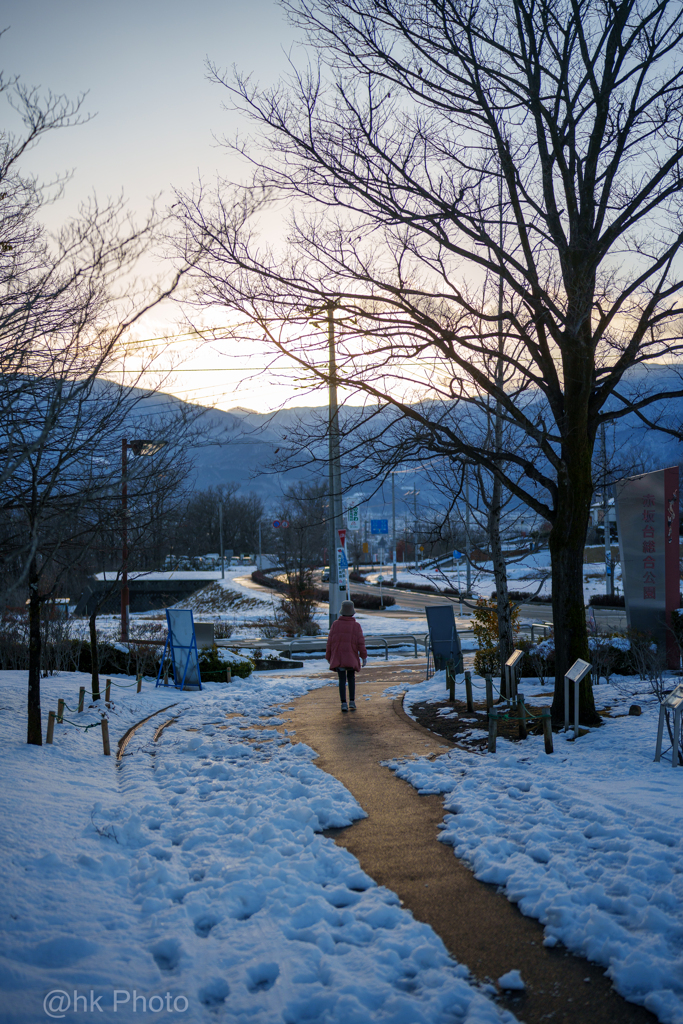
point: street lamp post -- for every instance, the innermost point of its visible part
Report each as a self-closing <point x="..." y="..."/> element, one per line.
<point x="138" y="447"/>
<point x="415" y="494"/>
<point x="334" y="466"/>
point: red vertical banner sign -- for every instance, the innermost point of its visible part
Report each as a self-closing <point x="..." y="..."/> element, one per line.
<point x="648" y="524"/>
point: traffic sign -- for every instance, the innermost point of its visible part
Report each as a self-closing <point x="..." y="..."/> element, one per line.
<point x="380" y="579"/>
<point x="342" y="568"/>
<point x="366" y="547"/>
<point x="342" y="537"/>
<point x="457" y="554"/>
<point x="353" y="518"/>
<point x="276" y="524"/>
<point x="379" y="526"/>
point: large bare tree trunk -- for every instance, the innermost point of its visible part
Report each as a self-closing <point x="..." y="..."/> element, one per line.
<point x="34" y="732"/>
<point x="567" y="540"/>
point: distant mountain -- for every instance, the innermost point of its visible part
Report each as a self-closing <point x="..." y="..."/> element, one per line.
<point x="242" y="446"/>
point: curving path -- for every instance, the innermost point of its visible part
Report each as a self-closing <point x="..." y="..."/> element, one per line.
<point x="397" y="846"/>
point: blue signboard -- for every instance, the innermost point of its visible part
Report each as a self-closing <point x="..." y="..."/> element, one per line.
<point x="379" y="526"/>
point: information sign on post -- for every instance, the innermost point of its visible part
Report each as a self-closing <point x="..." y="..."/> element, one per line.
<point x="342" y="538"/>
<point x="353" y="518"/>
<point x="379" y="526"/>
<point x="576" y="673"/>
<point x="671" y="704"/>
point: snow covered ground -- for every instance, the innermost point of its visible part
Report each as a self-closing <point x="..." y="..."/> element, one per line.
<point x="587" y="840"/>
<point x="191" y="882"/>
<point x="249" y="609"/>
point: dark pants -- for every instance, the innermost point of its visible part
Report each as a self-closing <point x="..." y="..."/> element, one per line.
<point x="344" y="674"/>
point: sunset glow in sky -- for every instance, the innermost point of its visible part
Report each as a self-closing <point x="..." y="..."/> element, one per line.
<point x="154" y="127"/>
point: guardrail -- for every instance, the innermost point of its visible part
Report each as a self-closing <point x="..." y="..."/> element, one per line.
<point x="312" y="644"/>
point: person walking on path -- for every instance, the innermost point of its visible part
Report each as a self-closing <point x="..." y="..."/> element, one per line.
<point x="345" y="648"/>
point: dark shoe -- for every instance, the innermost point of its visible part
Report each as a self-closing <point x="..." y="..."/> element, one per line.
<point x="352" y="705"/>
<point x="345" y="706"/>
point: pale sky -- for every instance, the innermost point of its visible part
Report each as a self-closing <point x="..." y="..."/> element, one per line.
<point x="143" y="66"/>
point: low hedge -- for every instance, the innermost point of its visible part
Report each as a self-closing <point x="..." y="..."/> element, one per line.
<point x="264" y="580"/>
<point x="607" y="600"/>
<point x="428" y="588"/>
<point x="522" y="597"/>
<point x="367" y="601"/>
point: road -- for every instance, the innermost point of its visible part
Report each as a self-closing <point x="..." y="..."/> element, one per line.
<point x="411" y="604"/>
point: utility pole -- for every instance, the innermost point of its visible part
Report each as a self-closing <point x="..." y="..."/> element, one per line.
<point x="220" y="535"/>
<point x="415" y="492"/>
<point x="468" y="565"/>
<point x="260" y="558"/>
<point x="335" y="519"/>
<point x="393" y="522"/>
<point x="609" y="572"/>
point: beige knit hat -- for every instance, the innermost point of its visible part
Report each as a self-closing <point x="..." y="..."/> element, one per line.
<point x="347" y="608"/>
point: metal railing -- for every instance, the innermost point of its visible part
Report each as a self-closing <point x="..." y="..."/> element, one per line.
<point x="312" y="644"/>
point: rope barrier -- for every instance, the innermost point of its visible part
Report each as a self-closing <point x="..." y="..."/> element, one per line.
<point x="77" y="725"/>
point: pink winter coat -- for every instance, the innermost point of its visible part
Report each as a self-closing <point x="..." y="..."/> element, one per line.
<point x="345" y="643"/>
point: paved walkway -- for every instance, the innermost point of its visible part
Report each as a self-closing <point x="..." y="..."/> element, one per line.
<point x="397" y="846"/>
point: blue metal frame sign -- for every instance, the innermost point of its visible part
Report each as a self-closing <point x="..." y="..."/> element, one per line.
<point x="182" y="643"/>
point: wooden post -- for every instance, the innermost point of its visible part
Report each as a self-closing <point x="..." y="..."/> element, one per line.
<point x="489" y="693"/>
<point x="81" y="698"/>
<point x="139" y="682"/>
<point x="60" y="711"/>
<point x="468" y="691"/>
<point x="521" y="713"/>
<point x="228" y="674"/>
<point x="547" y="723"/>
<point x="107" y="691"/>
<point x="50" y="727"/>
<point x="166" y="674"/>
<point x="105" y="736"/>
<point x="493" y="731"/>
<point x="450" y="679"/>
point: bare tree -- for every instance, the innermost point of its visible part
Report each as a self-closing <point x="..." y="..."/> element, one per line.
<point x="64" y="318"/>
<point x="397" y="151"/>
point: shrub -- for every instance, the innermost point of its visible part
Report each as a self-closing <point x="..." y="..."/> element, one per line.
<point x="213" y="661"/>
<point x="486" y="633"/>
<point x="609" y="654"/>
<point x="487" y="661"/>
